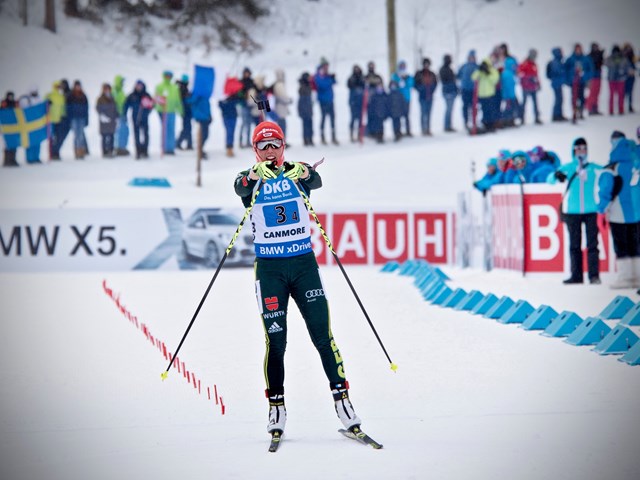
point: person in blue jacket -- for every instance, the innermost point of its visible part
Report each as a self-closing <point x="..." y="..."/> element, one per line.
<point x="396" y="108"/>
<point x="580" y="69"/>
<point x="579" y="207"/>
<point x="324" y="82"/>
<point x="544" y="163"/>
<point x="493" y="176"/>
<point x="508" y="81"/>
<point x="556" y="72"/>
<point x="467" y="86"/>
<point x="619" y="194"/>
<point x="405" y="83"/>
<point x="229" y="109"/>
<point x="378" y="112"/>
<point x="522" y="168"/>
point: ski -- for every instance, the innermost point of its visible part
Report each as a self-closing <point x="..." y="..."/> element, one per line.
<point x="276" y="438"/>
<point x="358" y="435"/>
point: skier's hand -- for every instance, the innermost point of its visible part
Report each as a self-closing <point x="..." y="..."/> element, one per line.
<point x="295" y="171"/>
<point x="561" y="176"/>
<point x="264" y="171"/>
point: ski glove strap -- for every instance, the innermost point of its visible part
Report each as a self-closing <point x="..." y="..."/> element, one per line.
<point x="266" y="170"/>
<point x="294" y="170"/>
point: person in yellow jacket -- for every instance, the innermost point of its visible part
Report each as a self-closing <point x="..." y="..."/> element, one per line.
<point x="122" y="128"/>
<point x="57" y="110"/>
<point x="168" y="103"/>
<point x="487" y="78"/>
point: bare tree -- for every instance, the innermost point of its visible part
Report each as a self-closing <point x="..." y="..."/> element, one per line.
<point x="50" y="15"/>
<point x="24" y="12"/>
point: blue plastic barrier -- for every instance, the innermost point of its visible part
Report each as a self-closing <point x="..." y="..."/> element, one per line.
<point x="500" y="308"/>
<point x="540" y="318"/>
<point x="430" y="294"/>
<point x="391" y="266"/>
<point x="518" y="312"/>
<point x="485" y="304"/>
<point x="441" y="274"/>
<point x="563" y="325"/>
<point x="149" y="182"/>
<point x="470" y="300"/>
<point x="619" y="340"/>
<point x="632" y="317"/>
<point x="454" y="299"/>
<point x="408" y="267"/>
<point x="632" y="357"/>
<point x="442" y="296"/>
<point x="617" y="308"/>
<point x="589" y="332"/>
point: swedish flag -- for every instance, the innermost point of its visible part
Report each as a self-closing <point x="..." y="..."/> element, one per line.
<point x="24" y="127"/>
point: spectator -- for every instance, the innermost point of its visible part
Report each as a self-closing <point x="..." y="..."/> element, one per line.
<point x="65" y="122"/>
<point x="141" y="104"/>
<point x="544" y="163"/>
<point x="324" y="82"/>
<point x="28" y="100"/>
<point x="9" y="101"/>
<point x="528" y="74"/>
<point x="449" y="90"/>
<point x="282" y="100"/>
<point x="627" y="51"/>
<point x="378" y="112"/>
<point x="168" y="103"/>
<point x="579" y="71"/>
<point x="122" y="128"/>
<point x="618" y="67"/>
<point x="245" y="108"/>
<point x="508" y="80"/>
<point x="78" y="111"/>
<point x="229" y="109"/>
<point x="405" y="83"/>
<point x="356" y="85"/>
<point x="425" y="82"/>
<point x="305" y="108"/>
<point x="597" y="58"/>
<point x="487" y="77"/>
<point x="619" y="200"/>
<point x="259" y="93"/>
<point x="107" y="116"/>
<point x="396" y="108"/>
<point x="493" y="176"/>
<point x="372" y="79"/>
<point x="201" y="110"/>
<point x="556" y="72"/>
<point x="579" y="207"/>
<point x="185" y="134"/>
<point x="522" y="168"/>
<point x="467" y="87"/>
<point x="56" y="112"/>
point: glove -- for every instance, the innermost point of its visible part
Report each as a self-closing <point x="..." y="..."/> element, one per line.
<point x="561" y="176"/>
<point x="601" y="221"/>
<point x="294" y="170"/>
<point x="265" y="170"/>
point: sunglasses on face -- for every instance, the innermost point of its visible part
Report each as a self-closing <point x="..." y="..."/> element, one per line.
<point x="274" y="143"/>
<point x="519" y="160"/>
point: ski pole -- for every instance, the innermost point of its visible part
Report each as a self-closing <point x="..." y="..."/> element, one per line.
<point x="393" y="366"/>
<point x="213" y="279"/>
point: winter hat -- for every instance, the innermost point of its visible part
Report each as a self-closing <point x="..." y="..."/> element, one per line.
<point x="402" y="66"/>
<point x="472" y="54"/>
<point x="492" y="161"/>
<point x="167" y="73"/>
<point x="185" y="78"/>
<point x="323" y="61"/>
<point x="579" y="141"/>
<point x="533" y="53"/>
<point x="617" y="134"/>
<point x="267" y="130"/>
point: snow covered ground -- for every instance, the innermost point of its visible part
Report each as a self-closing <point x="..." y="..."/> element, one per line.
<point x="472" y="398"/>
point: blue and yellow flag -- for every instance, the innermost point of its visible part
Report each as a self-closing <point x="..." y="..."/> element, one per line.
<point x="24" y="127"/>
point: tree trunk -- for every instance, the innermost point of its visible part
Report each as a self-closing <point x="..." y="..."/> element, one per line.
<point x="50" y="15"/>
<point x="24" y="12"/>
<point x="391" y="35"/>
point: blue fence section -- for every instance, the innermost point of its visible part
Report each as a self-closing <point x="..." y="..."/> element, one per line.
<point x="598" y="331"/>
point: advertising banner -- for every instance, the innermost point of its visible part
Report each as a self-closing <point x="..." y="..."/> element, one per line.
<point x="120" y="239"/>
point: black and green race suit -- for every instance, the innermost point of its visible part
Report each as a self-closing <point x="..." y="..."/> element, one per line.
<point x="286" y="267"/>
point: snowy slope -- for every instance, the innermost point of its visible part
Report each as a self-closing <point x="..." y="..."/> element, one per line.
<point x="472" y="399"/>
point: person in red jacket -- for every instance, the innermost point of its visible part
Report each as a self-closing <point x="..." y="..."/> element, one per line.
<point x="528" y="75"/>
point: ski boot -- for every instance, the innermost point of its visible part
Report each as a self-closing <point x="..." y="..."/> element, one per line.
<point x="277" y="414"/>
<point x="343" y="406"/>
